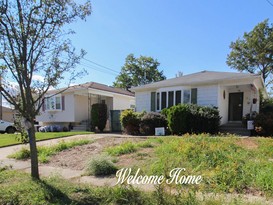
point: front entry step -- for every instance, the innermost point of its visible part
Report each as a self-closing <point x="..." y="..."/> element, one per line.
<point x="234" y="128"/>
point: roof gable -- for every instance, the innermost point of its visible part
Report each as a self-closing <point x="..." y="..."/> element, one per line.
<point x="97" y="86"/>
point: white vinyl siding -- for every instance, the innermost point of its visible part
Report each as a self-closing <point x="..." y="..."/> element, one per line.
<point x="67" y="115"/>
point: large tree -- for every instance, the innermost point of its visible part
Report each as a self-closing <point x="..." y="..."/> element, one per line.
<point x="33" y="41"/>
<point x="138" y="71"/>
<point x="254" y="52"/>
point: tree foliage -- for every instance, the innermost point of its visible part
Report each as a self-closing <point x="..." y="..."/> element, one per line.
<point x="138" y="71"/>
<point x="254" y="52"/>
<point x="33" y="42"/>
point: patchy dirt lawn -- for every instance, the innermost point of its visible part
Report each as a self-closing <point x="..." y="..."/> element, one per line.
<point x="77" y="157"/>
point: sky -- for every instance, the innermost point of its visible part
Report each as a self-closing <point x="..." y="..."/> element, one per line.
<point x="183" y="35"/>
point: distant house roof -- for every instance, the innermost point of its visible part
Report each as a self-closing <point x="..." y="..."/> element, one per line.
<point x="203" y="77"/>
<point x="103" y="87"/>
<point x="7" y="109"/>
<point x="97" y="86"/>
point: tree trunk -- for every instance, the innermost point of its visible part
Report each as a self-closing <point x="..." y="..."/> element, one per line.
<point x="33" y="152"/>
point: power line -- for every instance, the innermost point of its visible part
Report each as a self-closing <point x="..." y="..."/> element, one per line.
<point x="270" y="2"/>
<point x="97" y="69"/>
<point x="102" y="66"/>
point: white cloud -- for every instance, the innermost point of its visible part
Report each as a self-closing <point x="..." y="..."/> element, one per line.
<point x="38" y="78"/>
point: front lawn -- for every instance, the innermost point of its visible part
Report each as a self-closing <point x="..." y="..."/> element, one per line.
<point x="234" y="170"/>
<point x="18" y="188"/>
<point x="11" y="139"/>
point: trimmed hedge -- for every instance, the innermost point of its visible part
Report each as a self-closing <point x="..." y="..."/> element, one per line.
<point x="150" y="121"/>
<point x="180" y="119"/>
<point x="189" y="118"/>
<point x="99" y="116"/>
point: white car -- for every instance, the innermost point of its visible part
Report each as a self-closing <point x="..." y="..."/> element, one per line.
<point x="7" y="127"/>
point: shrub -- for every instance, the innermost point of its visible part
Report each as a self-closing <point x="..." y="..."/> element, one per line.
<point x="177" y="117"/>
<point x="185" y="118"/>
<point x="101" y="167"/>
<point x="263" y="124"/>
<point x="99" y="116"/>
<point x="22" y="154"/>
<point x="150" y="121"/>
<point x="130" y="120"/>
<point x="266" y="105"/>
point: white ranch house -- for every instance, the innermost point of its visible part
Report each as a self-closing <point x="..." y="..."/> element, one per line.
<point x="73" y="105"/>
<point x="234" y="94"/>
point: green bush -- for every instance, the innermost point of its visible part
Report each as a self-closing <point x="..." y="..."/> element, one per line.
<point x="266" y="105"/>
<point x="130" y="120"/>
<point x="150" y="121"/>
<point x="189" y="118"/>
<point x="99" y="116"/>
<point x="102" y="166"/>
<point x="264" y="124"/>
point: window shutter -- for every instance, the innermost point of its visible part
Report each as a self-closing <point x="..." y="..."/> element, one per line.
<point x="194" y="95"/>
<point x="63" y="103"/>
<point x="153" y="101"/>
<point x="43" y="104"/>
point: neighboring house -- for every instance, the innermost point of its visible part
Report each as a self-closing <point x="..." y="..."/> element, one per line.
<point x="8" y="114"/>
<point x="234" y="94"/>
<point x="73" y="105"/>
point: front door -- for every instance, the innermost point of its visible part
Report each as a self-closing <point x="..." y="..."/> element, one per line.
<point x="235" y="108"/>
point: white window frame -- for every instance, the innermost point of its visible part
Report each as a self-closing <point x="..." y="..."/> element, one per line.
<point x="53" y="100"/>
<point x="167" y="96"/>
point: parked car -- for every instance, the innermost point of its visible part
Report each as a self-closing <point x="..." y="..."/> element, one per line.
<point x="7" y="127"/>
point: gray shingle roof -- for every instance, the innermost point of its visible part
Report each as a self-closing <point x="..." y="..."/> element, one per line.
<point x="102" y="87"/>
<point x="203" y="77"/>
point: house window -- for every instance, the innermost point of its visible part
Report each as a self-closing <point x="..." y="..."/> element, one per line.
<point x="53" y="103"/>
<point x="157" y="101"/>
<point x="186" y="96"/>
<point x="163" y="100"/>
<point x="194" y="95"/>
<point x="177" y="97"/>
<point x="58" y="103"/>
<point x="170" y="98"/>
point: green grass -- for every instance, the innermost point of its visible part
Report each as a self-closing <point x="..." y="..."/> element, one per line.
<point x="44" y="152"/>
<point x="101" y="166"/>
<point x="127" y="148"/>
<point x="124" y="148"/>
<point x="19" y="188"/>
<point x="10" y="139"/>
<point x="223" y="162"/>
<point x="227" y="164"/>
